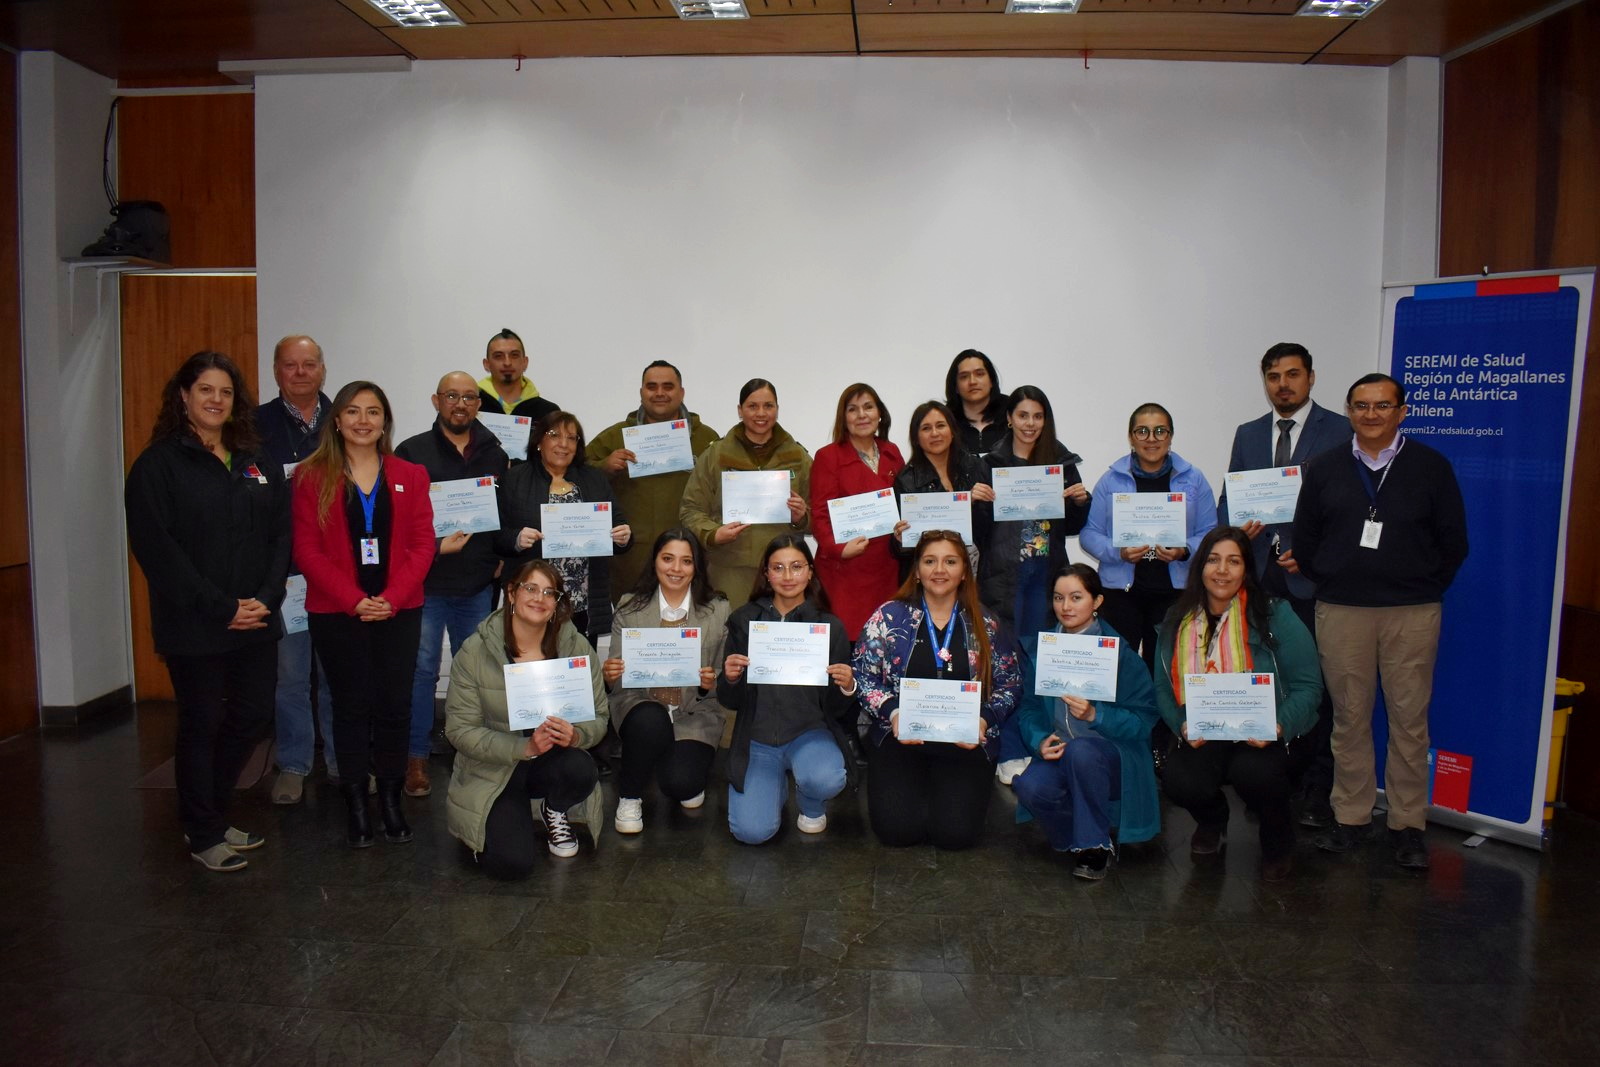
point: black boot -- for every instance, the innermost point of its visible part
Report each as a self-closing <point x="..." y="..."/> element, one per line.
<point x="358" y="830"/>
<point x="395" y="830"/>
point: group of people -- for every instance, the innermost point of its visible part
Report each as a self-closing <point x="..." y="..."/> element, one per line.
<point x="229" y="498"/>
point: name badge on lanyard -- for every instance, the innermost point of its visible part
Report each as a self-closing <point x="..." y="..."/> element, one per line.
<point x="369" y="550"/>
<point x="369" y="503"/>
<point x="1372" y="529"/>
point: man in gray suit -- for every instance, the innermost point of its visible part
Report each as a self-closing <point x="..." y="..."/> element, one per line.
<point x="1295" y="430"/>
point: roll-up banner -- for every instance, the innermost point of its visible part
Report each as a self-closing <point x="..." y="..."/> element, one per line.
<point x="1493" y="371"/>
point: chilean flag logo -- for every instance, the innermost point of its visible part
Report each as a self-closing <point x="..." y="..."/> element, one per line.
<point x="1108" y="642"/>
<point x="1174" y="498"/>
<point x="1261" y="679"/>
<point x="819" y="628"/>
<point x="578" y="662"/>
<point x="602" y="507"/>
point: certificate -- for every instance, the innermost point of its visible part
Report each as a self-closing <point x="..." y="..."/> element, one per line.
<point x="1231" y="707"/>
<point x="1148" y="519"/>
<point x="293" y="609"/>
<point x="559" y="687"/>
<point x="939" y="709"/>
<point x="863" y="515"/>
<point x="512" y="430"/>
<point x="576" y="529"/>
<point x="466" y="504"/>
<point x="788" y="653"/>
<point x="936" y="511"/>
<point x="1077" y="665"/>
<point x="660" y="656"/>
<point x="755" y="496"/>
<point x="1028" y="493"/>
<point x="1266" y="495"/>
<point x="661" y="447"/>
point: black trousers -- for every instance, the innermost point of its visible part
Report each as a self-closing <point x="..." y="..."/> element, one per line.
<point x="1195" y="776"/>
<point x="932" y="792"/>
<point x="562" y="777"/>
<point x="1135" y="614"/>
<point x="370" y="666"/>
<point x="1311" y="755"/>
<point x="648" y="747"/>
<point x="225" y="705"/>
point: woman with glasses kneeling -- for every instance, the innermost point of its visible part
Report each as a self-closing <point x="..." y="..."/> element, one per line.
<point x="1222" y="623"/>
<point x="934" y="628"/>
<point x="504" y="777"/>
<point x="669" y="731"/>
<point x="784" y="728"/>
<point x="1091" y="766"/>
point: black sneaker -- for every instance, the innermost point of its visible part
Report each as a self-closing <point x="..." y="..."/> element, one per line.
<point x="1342" y="837"/>
<point x="1092" y="864"/>
<point x="562" y="842"/>
<point x="1409" y="850"/>
<point x="1317" y="815"/>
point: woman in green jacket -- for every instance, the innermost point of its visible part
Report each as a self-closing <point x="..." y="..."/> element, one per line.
<point x="502" y="777"/>
<point x="1222" y="623"/>
<point x="756" y="443"/>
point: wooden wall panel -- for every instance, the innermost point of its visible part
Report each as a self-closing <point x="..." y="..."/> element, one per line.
<point x="196" y="155"/>
<point x="19" y="696"/>
<point x="13" y="466"/>
<point x="1521" y="191"/>
<point x="165" y="319"/>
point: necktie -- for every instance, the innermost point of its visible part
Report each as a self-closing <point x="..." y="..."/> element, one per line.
<point x="1280" y="455"/>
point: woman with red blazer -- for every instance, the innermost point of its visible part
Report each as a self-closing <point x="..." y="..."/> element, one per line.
<point x="858" y="573"/>
<point x="363" y="538"/>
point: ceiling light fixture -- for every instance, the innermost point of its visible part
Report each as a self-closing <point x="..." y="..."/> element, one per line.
<point x="697" y="10"/>
<point x="1042" y="7"/>
<point x="1338" y="9"/>
<point x="417" y="14"/>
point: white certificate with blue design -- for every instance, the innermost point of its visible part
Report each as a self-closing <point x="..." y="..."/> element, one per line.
<point x="1231" y="707"/>
<point x="1076" y="665"/>
<point x="1268" y="495"/>
<point x="863" y="515"/>
<point x="659" y="448"/>
<point x="512" y="431"/>
<point x="755" y="496"/>
<point x="788" y="653"/>
<point x="562" y="688"/>
<point x="1157" y="519"/>
<point x="466" y="505"/>
<point x="293" y="608"/>
<point x="1022" y="493"/>
<point x="939" y="709"/>
<point x="581" y="529"/>
<point x="936" y="511"/>
<point x="665" y="656"/>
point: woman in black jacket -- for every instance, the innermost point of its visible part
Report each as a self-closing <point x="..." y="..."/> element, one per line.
<point x="940" y="463"/>
<point x="208" y="521"/>
<point x="557" y="474"/>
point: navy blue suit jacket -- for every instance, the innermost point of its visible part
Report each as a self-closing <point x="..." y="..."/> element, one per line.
<point x="1252" y="450"/>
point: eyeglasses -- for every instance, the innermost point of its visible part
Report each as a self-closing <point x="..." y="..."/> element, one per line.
<point x="1144" y="433"/>
<point x="778" y="570"/>
<point x="468" y="399"/>
<point x="540" y="591"/>
<point x="1382" y="407"/>
<point x="557" y="435"/>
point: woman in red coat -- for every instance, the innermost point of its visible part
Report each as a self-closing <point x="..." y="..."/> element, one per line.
<point x="363" y="537"/>
<point x="861" y="572"/>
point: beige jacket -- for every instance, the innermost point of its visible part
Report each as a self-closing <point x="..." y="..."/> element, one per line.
<point x="698" y="718"/>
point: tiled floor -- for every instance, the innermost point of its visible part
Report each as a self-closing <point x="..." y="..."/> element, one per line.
<point x="680" y="946"/>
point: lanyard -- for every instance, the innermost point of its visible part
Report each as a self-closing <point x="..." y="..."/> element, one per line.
<point x="369" y="501"/>
<point x="1366" y="478"/>
<point x="941" y="651"/>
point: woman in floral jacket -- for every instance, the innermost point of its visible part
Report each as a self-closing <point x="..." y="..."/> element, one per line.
<point x="933" y="790"/>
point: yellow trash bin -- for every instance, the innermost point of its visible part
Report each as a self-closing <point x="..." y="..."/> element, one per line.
<point x="1565" y="691"/>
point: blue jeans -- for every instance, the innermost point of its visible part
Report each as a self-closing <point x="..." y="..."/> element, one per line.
<point x="1072" y="796"/>
<point x="296" y="736"/>
<point x="755" y="814"/>
<point x="460" y="615"/>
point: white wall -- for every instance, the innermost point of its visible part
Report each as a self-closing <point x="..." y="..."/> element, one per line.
<point x="73" y="389"/>
<point x="1138" y="231"/>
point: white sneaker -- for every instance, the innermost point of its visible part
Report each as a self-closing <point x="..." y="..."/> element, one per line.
<point x="807" y="825"/>
<point x="630" y="815"/>
<point x="562" y="842"/>
<point x="693" y="802"/>
<point x="1007" y="770"/>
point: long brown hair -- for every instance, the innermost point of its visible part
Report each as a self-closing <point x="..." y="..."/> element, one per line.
<point x="328" y="462"/>
<point x="552" y="630"/>
<point x="238" y="433"/>
<point x="967" y="601"/>
<point x="841" y="432"/>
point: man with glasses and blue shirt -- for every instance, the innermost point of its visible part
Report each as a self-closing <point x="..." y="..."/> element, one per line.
<point x="1380" y="531"/>
<point x="458" y="592"/>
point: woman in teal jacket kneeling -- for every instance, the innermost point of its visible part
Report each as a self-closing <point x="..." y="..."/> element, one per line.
<point x="1092" y="766"/>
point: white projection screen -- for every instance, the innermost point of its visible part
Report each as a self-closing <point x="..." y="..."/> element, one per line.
<point x="1134" y="231"/>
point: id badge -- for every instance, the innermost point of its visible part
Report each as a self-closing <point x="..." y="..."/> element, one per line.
<point x="1371" y="530"/>
<point x="369" y="549"/>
